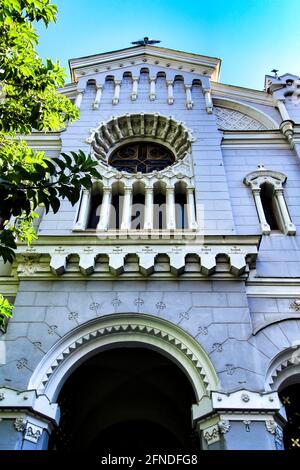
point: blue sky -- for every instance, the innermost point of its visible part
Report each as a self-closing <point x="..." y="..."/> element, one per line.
<point x="250" y="36"/>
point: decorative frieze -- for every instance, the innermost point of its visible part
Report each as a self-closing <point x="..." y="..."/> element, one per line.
<point x="229" y="119"/>
<point x="90" y="262"/>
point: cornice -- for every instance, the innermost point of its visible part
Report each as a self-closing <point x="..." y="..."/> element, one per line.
<point x="87" y="238"/>
<point x="107" y="259"/>
<point x="69" y="90"/>
<point x="222" y="90"/>
<point x="254" y="139"/>
<point x="43" y="140"/>
<point x="205" y="65"/>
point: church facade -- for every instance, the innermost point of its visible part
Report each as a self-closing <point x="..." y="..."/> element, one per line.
<point x="162" y="312"/>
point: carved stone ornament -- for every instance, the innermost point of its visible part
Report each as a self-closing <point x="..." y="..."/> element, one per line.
<point x="271" y="426"/>
<point x="33" y="432"/>
<point x="211" y="435"/>
<point x="20" y="424"/>
<point x="2" y="396"/>
<point x="29" y="266"/>
<point x="224" y="426"/>
<point x="164" y="129"/>
<point x="295" y="305"/>
<point x="245" y="397"/>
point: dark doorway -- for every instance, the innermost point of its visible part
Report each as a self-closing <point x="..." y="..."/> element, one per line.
<point x="289" y="397"/>
<point x="126" y="400"/>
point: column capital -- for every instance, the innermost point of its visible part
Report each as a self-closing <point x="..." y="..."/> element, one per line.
<point x="135" y="78"/>
<point x="106" y="189"/>
<point x="99" y="86"/>
<point x="188" y="86"/>
<point x="117" y="82"/>
<point x="169" y="82"/>
<point x="152" y="79"/>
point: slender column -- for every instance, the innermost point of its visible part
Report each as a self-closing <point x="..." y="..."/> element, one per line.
<point x="289" y="227"/>
<point x="148" y="223"/>
<point x="192" y="224"/>
<point x="127" y="206"/>
<point x="116" y="96"/>
<point x="83" y="210"/>
<point x="188" y="93"/>
<point x="266" y="229"/>
<point x="80" y="93"/>
<point x="170" y="91"/>
<point x="105" y="209"/>
<point x="152" y="94"/>
<point x="208" y="100"/>
<point x="283" y="111"/>
<point x="170" y="200"/>
<point x="134" y="88"/>
<point x="98" y="96"/>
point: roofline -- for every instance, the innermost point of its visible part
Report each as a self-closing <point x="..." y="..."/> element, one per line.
<point x="74" y="63"/>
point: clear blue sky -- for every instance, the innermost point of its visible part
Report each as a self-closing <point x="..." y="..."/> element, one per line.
<point x="250" y="36"/>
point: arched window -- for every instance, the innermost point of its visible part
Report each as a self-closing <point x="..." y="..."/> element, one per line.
<point x="94" y="215"/>
<point x="267" y="189"/>
<point x="143" y="157"/>
<point x="268" y="203"/>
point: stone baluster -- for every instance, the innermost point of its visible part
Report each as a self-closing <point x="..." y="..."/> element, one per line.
<point x="127" y="208"/>
<point x="78" y="100"/>
<point x="170" y="208"/>
<point x="116" y="96"/>
<point x="170" y="91"/>
<point x="188" y="93"/>
<point x="152" y="94"/>
<point x="98" y="96"/>
<point x="208" y="100"/>
<point x="148" y="223"/>
<point x="105" y="209"/>
<point x="134" y="91"/>
<point x="83" y="211"/>
<point x="192" y="224"/>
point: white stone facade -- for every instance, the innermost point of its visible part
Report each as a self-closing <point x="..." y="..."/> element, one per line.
<point x="220" y="295"/>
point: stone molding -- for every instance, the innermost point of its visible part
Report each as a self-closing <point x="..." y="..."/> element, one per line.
<point x="206" y="67"/>
<point x="156" y="333"/>
<point x="245" y="400"/>
<point x="158" y="128"/>
<point x="283" y="367"/>
<point x="34" y="263"/>
<point x="28" y="401"/>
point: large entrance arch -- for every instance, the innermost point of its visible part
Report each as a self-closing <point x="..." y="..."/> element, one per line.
<point x="156" y="340"/>
<point x="126" y="399"/>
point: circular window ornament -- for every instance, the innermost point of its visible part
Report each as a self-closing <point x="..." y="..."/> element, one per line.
<point x="141" y="157"/>
<point x="164" y="139"/>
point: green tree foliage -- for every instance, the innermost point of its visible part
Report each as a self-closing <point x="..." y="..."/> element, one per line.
<point x="29" y="101"/>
